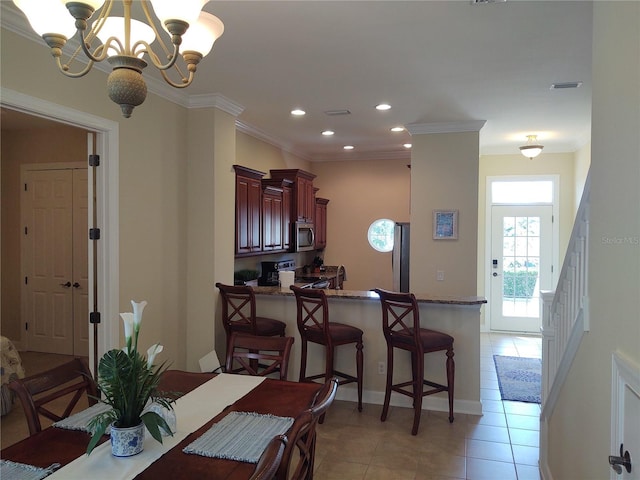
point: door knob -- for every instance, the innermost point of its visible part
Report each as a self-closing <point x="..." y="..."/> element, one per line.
<point x="65" y="285"/>
<point x="76" y="285"/>
<point x="624" y="460"/>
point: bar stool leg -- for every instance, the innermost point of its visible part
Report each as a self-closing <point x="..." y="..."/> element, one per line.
<point x="359" y="362"/>
<point x="451" y="370"/>
<point x="303" y="361"/>
<point x="417" y="393"/>
<point x="387" y="390"/>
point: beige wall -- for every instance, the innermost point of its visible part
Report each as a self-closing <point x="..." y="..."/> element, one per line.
<point x="584" y="408"/>
<point x="582" y="162"/>
<point x="59" y="144"/>
<point x="360" y="192"/>
<point x="444" y="176"/>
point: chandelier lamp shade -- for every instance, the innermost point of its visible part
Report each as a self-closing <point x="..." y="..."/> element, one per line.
<point x="123" y="41"/>
<point x="532" y="149"/>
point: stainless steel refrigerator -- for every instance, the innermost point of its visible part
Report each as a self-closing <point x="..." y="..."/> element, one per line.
<point x="400" y="258"/>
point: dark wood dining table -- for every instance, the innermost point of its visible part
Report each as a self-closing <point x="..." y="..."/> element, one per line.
<point x="276" y="397"/>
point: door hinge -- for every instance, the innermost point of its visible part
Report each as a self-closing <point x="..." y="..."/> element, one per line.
<point x="26" y="326"/>
<point x="94" y="234"/>
<point x="94" y="317"/>
<point x="94" y="160"/>
<point x="26" y="280"/>
<point x="25" y="187"/>
<point x="26" y="230"/>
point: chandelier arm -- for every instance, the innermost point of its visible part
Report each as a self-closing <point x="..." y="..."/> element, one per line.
<point x="152" y="24"/>
<point x="104" y="47"/>
<point x="185" y="81"/>
<point x="64" y="68"/>
<point x="154" y="58"/>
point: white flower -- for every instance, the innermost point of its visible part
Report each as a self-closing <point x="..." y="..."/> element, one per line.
<point x="152" y="352"/>
<point x="127" y="318"/>
<point x="138" y="308"/>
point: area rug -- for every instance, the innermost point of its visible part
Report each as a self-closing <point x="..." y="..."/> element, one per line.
<point x="519" y="378"/>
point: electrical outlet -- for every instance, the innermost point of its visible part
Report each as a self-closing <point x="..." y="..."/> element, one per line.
<point x="440" y="276"/>
<point x="382" y="368"/>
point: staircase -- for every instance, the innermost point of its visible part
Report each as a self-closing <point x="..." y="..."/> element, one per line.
<point x="565" y="312"/>
<point x="565" y="318"/>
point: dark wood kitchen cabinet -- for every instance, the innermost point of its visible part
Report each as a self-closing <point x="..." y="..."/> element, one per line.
<point x="248" y="210"/>
<point x="303" y="206"/>
<point x="321" y="222"/>
<point x="276" y="214"/>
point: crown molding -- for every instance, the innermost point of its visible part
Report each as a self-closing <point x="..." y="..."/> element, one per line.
<point x="446" y="127"/>
<point x="356" y="156"/>
<point x="216" y="100"/>
<point x="271" y="140"/>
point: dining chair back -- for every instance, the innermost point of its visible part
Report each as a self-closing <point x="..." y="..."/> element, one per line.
<point x="270" y="459"/>
<point x="239" y="313"/>
<point x="314" y="326"/>
<point x="259" y="356"/>
<point x="402" y="330"/>
<point x="302" y="436"/>
<point x="53" y="391"/>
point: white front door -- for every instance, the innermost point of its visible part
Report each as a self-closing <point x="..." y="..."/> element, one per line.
<point x="520" y="265"/>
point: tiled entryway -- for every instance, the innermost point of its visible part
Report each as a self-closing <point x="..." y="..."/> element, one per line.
<point x="501" y="444"/>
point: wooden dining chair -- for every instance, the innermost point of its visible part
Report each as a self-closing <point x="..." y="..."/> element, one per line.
<point x="314" y="326"/>
<point x="37" y="392"/>
<point x="258" y="356"/>
<point x="239" y="314"/>
<point x="402" y="330"/>
<point x="270" y="459"/>
<point x="299" y="455"/>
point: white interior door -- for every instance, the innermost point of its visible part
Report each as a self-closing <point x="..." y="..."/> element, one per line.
<point x="521" y="265"/>
<point x="625" y="418"/>
<point x="55" y="261"/>
<point x="48" y="261"/>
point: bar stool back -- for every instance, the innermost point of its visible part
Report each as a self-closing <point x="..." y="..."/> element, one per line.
<point x="401" y="326"/>
<point x="239" y="314"/>
<point x="314" y="326"/>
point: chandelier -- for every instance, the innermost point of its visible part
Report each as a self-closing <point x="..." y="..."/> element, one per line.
<point x="532" y="149"/>
<point x="122" y="40"/>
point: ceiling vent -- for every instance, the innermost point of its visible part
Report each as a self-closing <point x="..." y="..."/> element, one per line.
<point x="560" y="86"/>
<point x="334" y="113"/>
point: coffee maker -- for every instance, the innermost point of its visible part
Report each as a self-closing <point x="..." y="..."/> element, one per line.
<point x="270" y="275"/>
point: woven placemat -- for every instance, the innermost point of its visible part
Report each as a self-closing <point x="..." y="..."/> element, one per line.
<point x="21" y="471"/>
<point x="80" y="420"/>
<point x="240" y="436"/>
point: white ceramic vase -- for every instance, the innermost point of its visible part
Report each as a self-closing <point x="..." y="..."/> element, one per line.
<point x="128" y="441"/>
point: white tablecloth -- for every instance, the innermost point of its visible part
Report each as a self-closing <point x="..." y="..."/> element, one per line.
<point x="192" y="411"/>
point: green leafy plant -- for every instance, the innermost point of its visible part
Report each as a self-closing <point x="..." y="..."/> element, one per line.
<point x="127" y="381"/>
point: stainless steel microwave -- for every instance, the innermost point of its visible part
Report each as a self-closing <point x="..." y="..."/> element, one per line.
<point x="304" y="237"/>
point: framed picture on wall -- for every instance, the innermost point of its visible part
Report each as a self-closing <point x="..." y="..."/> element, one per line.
<point x="445" y="224"/>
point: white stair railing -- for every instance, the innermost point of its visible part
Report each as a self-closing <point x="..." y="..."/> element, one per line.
<point x="565" y="312"/>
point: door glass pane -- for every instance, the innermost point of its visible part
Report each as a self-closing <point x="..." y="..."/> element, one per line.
<point x="521" y="266"/>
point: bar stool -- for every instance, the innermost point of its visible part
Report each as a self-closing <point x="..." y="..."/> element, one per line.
<point x="314" y="326"/>
<point x="239" y="314"/>
<point x="401" y="326"/>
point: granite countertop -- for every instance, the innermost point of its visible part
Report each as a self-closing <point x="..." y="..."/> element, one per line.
<point x="369" y="295"/>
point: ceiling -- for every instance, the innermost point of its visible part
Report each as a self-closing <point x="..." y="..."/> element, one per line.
<point x="434" y="62"/>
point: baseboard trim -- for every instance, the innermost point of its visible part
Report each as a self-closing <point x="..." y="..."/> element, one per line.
<point x="469" y="407"/>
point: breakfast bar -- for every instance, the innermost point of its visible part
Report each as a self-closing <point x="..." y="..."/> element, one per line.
<point x="456" y="316"/>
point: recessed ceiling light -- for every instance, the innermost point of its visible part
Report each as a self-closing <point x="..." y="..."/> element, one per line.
<point x="407" y="145"/>
<point x="328" y="133"/>
<point x="397" y="129"/>
<point x="298" y="112"/>
<point x="383" y="106"/>
<point x="348" y="147"/>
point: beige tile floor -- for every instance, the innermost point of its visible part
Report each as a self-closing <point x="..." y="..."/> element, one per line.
<point x="502" y="444"/>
